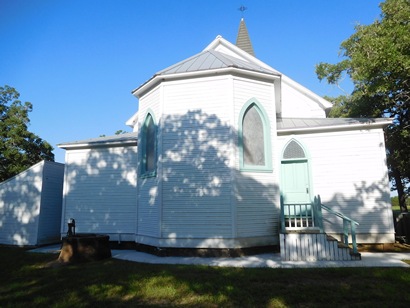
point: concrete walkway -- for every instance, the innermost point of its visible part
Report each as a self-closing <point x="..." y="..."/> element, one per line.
<point x="272" y="260"/>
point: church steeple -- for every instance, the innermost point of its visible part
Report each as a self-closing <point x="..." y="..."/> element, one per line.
<point x="242" y="40"/>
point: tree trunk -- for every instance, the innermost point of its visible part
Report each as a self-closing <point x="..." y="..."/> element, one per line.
<point x="400" y="190"/>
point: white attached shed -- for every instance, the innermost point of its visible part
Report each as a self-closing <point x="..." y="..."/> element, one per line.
<point x="100" y="186"/>
<point x="30" y="205"/>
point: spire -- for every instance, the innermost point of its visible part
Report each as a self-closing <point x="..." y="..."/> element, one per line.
<point x="242" y="40"/>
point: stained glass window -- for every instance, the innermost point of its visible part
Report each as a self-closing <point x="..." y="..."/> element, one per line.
<point x="293" y="151"/>
<point x="148" y="146"/>
<point x="253" y="138"/>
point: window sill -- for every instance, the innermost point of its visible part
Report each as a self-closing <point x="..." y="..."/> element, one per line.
<point x="148" y="175"/>
<point x="256" y="169"/>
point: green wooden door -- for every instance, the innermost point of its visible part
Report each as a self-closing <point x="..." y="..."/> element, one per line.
<point x="295" y="184"/>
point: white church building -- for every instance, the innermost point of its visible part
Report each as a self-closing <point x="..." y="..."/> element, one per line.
<point x="228" y="153"/>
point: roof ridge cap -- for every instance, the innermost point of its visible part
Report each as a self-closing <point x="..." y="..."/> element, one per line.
<point x="224" y="56"/>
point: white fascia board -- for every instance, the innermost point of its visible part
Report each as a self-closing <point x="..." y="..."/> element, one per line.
<point x="241" y="54"/>
<point x="133" y="120"/>
<point x="246" y="56"/>
<point x="88" y="145"/>
<point x="335" y="128"/>
<point x="219" y="71"/>
<point x="42" y="162"/>
<point x="214" y="43"/>
<point x="219" y="40"/>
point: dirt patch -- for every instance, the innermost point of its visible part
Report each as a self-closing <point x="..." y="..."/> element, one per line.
<point x="396" y="247"/>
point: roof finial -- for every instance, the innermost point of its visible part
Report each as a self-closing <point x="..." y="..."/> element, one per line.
<point x="242" y="9"/>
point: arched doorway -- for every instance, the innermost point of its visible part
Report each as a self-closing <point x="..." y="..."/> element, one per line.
<point x="295" y="178"/>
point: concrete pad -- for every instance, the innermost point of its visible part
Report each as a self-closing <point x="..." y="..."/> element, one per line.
<point x="268" y="260"/>
<point x="271" y="260"/>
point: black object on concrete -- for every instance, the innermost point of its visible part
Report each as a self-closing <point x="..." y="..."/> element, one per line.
<point x="84" y="247"/>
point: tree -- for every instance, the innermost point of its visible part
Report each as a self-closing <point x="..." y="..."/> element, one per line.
<point x="19" y="148"/>
<point x="377" y="60"/>
<point x="395" y="201"/>
<point x="120" y="132"/>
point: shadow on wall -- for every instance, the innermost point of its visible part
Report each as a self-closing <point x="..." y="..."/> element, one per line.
<point x="100" y="190"/>
<point x="30" y="205"/>
<point x="204" y="196"/>
<point x="369" y="206"/>
<point x="198" y="192"/>
<point x="192" y="196"/>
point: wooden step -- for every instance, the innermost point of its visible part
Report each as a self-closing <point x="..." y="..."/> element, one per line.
<point x="312" y="230"/>
<point x="314" y="247"/>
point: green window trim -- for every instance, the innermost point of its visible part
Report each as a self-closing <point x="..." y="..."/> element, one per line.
<point x="267" y="164"/>
<point x="148" y="146"/>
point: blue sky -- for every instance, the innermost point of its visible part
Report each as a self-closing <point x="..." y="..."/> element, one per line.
<point x="78" y="60"/>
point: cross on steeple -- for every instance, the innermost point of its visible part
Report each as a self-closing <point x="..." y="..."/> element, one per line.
<point x="242" y="9"/>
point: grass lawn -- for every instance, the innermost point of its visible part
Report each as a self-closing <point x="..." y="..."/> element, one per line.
<point x="27" y="281"/>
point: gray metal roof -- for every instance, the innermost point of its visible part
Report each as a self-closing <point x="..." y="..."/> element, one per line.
<point x="243" y="40"/>
<point x="310" y="123"/>
<point x="211" y="59"/>
<point x="109" y="140"/>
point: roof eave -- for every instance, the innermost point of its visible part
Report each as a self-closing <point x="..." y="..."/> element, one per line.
<point x="73" y="145"/>
<point x="156" y="79"/>
<point x="370" y="125"/>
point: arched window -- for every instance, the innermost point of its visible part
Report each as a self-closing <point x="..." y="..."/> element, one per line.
<point x="254" y="139"/>
<point x="148" y="147"/>
<point x="294" y="151"/>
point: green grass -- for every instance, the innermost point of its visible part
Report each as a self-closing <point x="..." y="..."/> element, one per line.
<point x="26" y="281"/>
<point x="395" y="208"/>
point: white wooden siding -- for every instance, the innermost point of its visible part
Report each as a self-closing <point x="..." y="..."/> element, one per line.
<point x="100" y="190"/>
<point x="51" y="203"/>
<point x="350" y="174"/>
<point x="196" y="159"/>
<point x="150" y="101"/>
<point x="256" y="193"/>
<point x="148" y="207"/>
<point x="298" y="105"/>
<point x="21" y="205"/>
<point x="257" y="205"/>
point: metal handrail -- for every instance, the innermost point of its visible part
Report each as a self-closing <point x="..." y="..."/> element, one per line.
<point x="346" y="222"/>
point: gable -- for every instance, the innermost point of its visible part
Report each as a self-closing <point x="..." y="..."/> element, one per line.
<point x="291" y="97"/>
<point x="299" y="102"/>
<point x="221" y="45"/>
